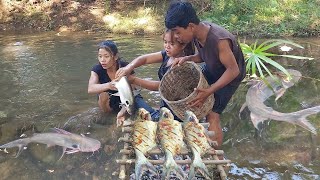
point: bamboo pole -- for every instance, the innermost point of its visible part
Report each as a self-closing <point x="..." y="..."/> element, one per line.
<point x="183" y="152"/>
<point x="223" y="175"/>
<point x="122" y="173"/>
<point x="161" y="161"/>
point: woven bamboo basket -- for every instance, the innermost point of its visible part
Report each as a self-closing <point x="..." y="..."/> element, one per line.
<point x="177" y="89"/>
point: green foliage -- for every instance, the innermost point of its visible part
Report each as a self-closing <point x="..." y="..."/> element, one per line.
<point x="258" y="58"/>
<point x="266" y="17"/>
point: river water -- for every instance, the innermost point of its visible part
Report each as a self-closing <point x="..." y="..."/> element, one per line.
<point x="43" y="84"/>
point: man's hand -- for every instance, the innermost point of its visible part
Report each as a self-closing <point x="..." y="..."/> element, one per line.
<point x="202" y="95"/>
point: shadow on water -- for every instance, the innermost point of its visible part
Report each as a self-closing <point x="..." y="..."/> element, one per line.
<point x="43" y="84"/>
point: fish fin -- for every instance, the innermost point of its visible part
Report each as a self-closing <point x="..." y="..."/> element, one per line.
<point x="63" y="151"/>
<point x="244" y="105"/>
<point x="72" y="151"/>
<point x="21" y="147"/>
<point x="141" y="162"/>
<point x="256" y="119"/>
<point x="198" y="163"/>
<point x="60" y="131"/>
<point x="280" y="93"/>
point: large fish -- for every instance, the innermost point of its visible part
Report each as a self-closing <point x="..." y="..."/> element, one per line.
<point x="261" y="91"/>
<point x="144" y="139"/>
<point x="71" y="143"/>
<point x="198" y="142"/>
<point x="170" y="135"/>
<point x="126" y="97"/>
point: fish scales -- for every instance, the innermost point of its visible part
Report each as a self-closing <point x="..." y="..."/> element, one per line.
<point x="144" y="139"/>
<point x="196" y="138"/>
<point x="198" y="142"/>
<point x="171" y="136"/>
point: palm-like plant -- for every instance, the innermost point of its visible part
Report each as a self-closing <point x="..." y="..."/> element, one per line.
<point x="256" y="57"/>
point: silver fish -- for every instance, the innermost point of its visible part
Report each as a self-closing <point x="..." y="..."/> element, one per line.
<point x="261" y="91"/>
<point x="71" y="143"/>
<point x="198" y="142"/>
<point x="170" y="135"/>
<point x="126" y="94"/>
<point x="144" y="139"/>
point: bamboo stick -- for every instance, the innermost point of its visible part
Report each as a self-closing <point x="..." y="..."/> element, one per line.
<point x="223" y="175"/>
<point x="158" y="151"/>
<point x="122" y="173"/>
<point x="161" y="161"/>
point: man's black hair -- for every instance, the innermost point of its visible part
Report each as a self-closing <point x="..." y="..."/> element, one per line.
<point x="181" y="14"/>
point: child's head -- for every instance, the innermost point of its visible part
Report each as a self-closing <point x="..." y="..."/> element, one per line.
<point x="107" y="54"/>
<point x="173" y="47"/>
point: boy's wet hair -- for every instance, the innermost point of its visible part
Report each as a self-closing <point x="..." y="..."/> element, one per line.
<point x="110" y="46"/>
<point x="180" y="14"/>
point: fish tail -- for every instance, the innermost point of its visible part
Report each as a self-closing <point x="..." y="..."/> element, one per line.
<point x="169" y="166"/>
<point x="198" y="163"/>
<point x="304" y="122"/>
<point x="143" y="162"/>
<point x="20" y="143"/>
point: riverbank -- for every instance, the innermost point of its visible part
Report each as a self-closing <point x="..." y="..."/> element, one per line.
<point x="249" y="18"/>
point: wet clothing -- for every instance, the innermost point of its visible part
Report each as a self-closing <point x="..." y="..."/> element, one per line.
<point x="161" y="72"/>
<point x="213" y="68"/>
<point x="115" y="100"/>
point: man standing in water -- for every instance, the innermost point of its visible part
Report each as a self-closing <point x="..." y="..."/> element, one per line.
<point x="224" y="66"/>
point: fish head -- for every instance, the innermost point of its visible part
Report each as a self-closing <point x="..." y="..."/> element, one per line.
<point x="165" y="114"/>
<point x="190" y="117"/>
<point x="88" y="144"/>
<point x="143" y="115"/>
<point x="295" y="77"/>
<point x="126" y="94"/>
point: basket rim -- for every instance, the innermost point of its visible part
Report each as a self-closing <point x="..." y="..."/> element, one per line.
<point x="191" y="94"/>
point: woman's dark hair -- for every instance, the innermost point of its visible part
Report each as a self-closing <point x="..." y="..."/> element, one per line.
<point x="109" y="46"/>
<point x="181" y="14"/>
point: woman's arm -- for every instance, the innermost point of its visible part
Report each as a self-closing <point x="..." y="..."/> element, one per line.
<point x="94" y="87"/>
<point x="139" y="61"/>
<point x="144" y="83"/>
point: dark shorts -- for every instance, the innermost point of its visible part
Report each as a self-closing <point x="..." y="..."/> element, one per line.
<point x="223" y="95"/>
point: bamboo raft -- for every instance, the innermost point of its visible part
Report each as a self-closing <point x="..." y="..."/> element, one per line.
<point x="128" y="151"/>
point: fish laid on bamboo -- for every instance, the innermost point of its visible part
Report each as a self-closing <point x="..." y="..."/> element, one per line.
<point x="144" y="140"/>
<point x="198" y="141"/>
<point x="170" y="135"/>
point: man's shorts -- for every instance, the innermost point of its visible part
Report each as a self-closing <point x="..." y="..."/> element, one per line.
<point x="223" y="95"/>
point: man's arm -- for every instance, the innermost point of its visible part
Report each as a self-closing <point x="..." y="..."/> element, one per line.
<point x="229" y="61"/>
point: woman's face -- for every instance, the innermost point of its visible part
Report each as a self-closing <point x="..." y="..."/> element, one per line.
<point x="172" y="47"/>
<point x="106" y="59"/>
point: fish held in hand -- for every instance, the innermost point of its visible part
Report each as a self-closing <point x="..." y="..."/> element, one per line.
<point x="71" y="143"/>
<point x="126" y="97"/>
<point x="144" y="140"/>
<point x="170" y="134"/>
<point x="198" y="142"/>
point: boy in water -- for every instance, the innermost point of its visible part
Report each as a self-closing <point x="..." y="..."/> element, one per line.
<point x="224" y="66"/>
